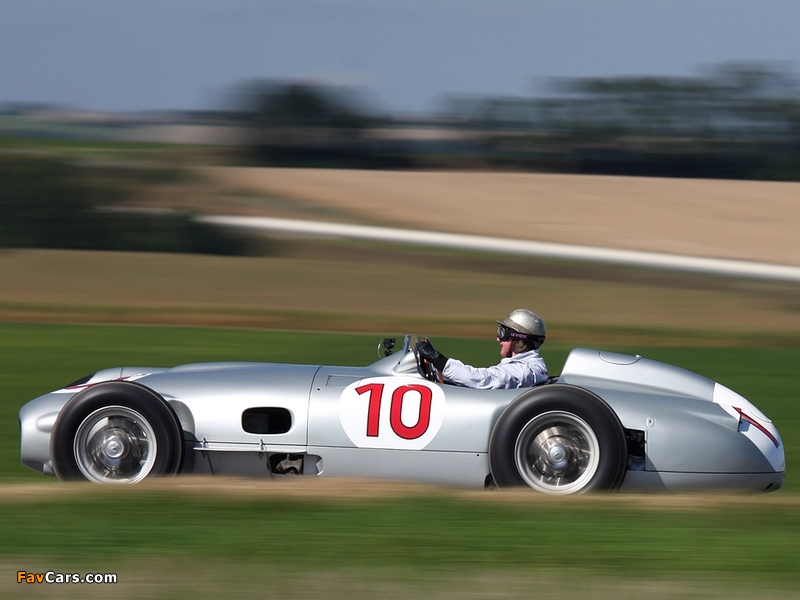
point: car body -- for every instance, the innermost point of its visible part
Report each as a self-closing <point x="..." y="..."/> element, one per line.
<point x="609" y="421"/>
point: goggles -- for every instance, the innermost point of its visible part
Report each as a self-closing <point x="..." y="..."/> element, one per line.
<point x="506" y="333"/>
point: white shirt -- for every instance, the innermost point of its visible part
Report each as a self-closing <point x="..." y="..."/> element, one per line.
<point x="523" y="370"/>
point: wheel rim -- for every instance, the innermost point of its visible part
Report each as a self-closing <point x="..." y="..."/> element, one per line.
<point x="115" y="444"/>
<point x="557" y="453"/>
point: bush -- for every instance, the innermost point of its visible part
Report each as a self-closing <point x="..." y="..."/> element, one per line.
<point x="49" y="204"/>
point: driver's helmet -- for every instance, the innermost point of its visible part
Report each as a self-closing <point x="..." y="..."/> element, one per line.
<point x="523" y="325"/>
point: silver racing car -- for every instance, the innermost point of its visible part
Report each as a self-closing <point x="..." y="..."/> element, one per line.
<point x="609" y="421"/>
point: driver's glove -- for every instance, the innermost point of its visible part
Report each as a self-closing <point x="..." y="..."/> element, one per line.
<point x="432" y="355"/>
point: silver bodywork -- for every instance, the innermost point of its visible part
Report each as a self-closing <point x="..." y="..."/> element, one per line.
<point x="694" y="434"/>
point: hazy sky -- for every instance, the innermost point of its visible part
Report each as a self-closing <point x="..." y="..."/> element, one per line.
<point x="126" y="55"/>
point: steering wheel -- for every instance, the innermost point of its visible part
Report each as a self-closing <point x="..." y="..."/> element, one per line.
<point x="425" y="366"/>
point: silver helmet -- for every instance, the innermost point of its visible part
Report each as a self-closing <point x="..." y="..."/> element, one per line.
<point x="526" y="322"/>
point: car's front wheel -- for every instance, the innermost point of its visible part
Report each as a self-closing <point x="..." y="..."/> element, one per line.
<point x="116" y="433"/>
<point x="558" y="439"/>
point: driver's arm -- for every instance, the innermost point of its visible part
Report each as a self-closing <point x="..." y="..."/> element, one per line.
<point x="482" y="378"/>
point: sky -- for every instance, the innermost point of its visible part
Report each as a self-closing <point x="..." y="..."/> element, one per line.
<point x="141" y="55"/>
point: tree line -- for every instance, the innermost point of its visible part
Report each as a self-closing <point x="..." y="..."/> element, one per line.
<point x="735" y="121"/>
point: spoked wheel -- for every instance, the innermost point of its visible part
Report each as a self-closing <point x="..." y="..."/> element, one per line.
<point x="558" y="440"/>
<point x="116" y="433"/>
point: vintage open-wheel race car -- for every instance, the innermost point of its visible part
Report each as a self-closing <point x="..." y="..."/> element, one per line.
<point x="608" y="421"/>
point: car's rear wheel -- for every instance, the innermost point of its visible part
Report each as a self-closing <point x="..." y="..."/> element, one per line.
<point x="558" y="440"/>
<point x="116" y="433"/>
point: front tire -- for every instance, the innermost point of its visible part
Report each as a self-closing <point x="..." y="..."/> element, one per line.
<point x="116" y="433"/>
<point x="558" y="440"/>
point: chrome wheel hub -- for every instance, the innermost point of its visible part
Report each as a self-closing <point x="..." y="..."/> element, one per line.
<point x="115" y="447"/>
<point x="557" y="456"/>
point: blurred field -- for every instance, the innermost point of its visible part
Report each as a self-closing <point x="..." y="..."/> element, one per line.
<point x="747" y="220"/>
<point x="330" y="281"/>
<point x="340" y="287"/>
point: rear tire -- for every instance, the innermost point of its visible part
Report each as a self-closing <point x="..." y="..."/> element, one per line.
<point x="559" y="440"/>
<point x="116" y="433"/>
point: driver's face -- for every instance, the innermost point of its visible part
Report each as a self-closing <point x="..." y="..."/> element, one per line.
<point x="505" y="348"/>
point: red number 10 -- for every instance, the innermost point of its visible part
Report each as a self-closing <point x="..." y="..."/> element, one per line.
<point x="375" y="391"/>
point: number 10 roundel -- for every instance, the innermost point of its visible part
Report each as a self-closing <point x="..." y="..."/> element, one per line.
<point x="392" y="412"/>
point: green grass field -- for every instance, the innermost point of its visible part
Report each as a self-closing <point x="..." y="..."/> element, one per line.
<point x="430" y="543"/>
<point x="745" y="546"/>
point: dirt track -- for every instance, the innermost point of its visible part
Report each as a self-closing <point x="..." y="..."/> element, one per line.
<point x="353" y="489"/>
<point x="746" y="220"/>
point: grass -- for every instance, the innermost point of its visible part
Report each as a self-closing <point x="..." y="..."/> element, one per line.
<point x="214" y="542"/>
<point x="97" y="149"/>
<point x="421" y="533"/>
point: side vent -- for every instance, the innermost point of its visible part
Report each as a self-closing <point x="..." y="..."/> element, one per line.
<point x="636" y="449"/>
<point x="268" y="421"/>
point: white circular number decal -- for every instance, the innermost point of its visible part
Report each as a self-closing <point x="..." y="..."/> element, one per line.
<point x="391" y="412"/>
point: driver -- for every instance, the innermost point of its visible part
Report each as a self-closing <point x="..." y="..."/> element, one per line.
<point x="520" y="334"/>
